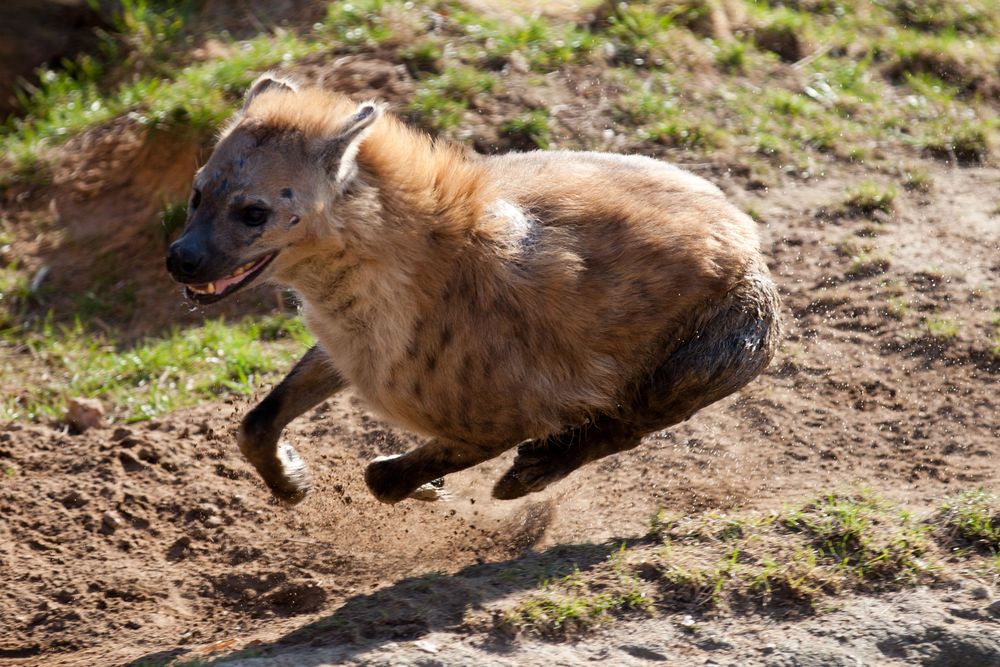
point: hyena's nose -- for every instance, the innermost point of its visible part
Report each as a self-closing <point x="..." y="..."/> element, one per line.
<point x="184" y="261"/>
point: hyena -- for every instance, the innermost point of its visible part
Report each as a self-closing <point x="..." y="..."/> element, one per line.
<point x="567" y="303"/>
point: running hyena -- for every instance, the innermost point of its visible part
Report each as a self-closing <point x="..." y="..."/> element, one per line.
<point x="565" y="302"/>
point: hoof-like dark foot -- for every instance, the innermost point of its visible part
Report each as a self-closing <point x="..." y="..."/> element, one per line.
<point x="388" y="483"/>
<point x="529" y="473"/>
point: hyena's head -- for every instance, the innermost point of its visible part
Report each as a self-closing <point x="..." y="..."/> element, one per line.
<point x="268" y="188"/>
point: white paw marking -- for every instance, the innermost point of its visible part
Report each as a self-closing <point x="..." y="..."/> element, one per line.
<point x="430" y="493"/>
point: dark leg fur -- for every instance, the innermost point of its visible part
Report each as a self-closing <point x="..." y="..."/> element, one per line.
<point x="393" y="479"/>
<point x="543" y="462"/>
<point x="311" y="381"/>
<point x="729" y="348"/>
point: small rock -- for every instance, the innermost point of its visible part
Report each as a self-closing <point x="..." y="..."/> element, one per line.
<point x="980" y="593"/>
<point x="84" y="413"/>
<point x="121" y="433"/>
<point x="110" y="522"/>
<point x="995" y="608"/>
<point x="426" y="646"/>
<point x="518" y="62"/>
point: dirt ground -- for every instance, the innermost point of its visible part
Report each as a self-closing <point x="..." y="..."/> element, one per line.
<point x="153" y="542"/>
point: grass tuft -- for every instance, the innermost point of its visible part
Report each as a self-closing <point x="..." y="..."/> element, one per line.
<point x="868" y="198"/>
<point x="972" y="518"/>
<point x="790" y="559"/>
<point x="941" y="328"/>
<point x="529" y="130"/>
<point x="968" y="143"/>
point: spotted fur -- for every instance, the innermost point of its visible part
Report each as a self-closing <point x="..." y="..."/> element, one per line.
<point x="486" y="302"/>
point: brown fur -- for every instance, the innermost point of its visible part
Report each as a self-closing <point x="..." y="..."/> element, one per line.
<point x="482" y="301"/>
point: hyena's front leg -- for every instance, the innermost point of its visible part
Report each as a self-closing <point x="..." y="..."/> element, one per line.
<point x="311" y="381"/>
<point x="391" y="479"/>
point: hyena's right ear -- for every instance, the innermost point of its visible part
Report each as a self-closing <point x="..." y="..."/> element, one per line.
<point x="268" y="81"/>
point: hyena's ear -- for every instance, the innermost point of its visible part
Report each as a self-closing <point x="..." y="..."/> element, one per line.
<point x="268" y="81"/>
<point x="339" y="152"/>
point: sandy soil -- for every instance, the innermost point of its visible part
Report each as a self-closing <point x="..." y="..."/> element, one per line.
<point x="152" y="541"/>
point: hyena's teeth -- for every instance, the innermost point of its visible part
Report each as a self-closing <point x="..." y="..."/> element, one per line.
<point x="210" y="288"/>
<point x="243" y="269"/>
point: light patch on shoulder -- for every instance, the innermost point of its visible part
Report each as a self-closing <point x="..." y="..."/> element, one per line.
<point x="519" y="227"/>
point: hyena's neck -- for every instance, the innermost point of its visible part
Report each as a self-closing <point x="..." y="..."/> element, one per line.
<point x="402" y="226"/>
<point x="379" y="273"/>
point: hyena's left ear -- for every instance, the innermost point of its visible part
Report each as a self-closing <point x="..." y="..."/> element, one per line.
<point x="267" y="81"/>
<point x="339" y="152"/>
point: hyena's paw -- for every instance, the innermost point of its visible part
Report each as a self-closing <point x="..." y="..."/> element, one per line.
<point x="278" y="464"/>
<point x="291" y="482"/>
<point x="387" y="480"/>
<point x="531" y="471"/>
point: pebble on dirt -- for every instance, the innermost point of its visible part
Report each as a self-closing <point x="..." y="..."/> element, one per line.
<point x="84" y="413"/>
<point x="110" y="522"/>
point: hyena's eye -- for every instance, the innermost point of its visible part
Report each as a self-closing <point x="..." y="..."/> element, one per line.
<point x="195" y="199"/>
<point x="254" y="216"/>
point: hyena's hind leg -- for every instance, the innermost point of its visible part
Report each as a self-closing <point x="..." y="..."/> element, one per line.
<point x="733" y="342"/>
<point x="312" y="380"/>
<point x="540" y="463"/>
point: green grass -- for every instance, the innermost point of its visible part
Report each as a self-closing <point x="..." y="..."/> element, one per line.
<point x="574" y="604"/>
<point x="441" y="100"/>
<point x="861" y="534"/>
<point x="529" y="130"/>
<point x="993" y="335"/>
<point x="791" y="559"/>
<point x="866" y="266"/>
<point x="967" y="143"/>
<point x="917" y="179"/>
<point x="869" y="198"/>
<point x="941" y="328"/>
<point x="895" y="74"/>
<point x="972" y="17"/>
<point x="897" y="308"/>
<point x="972" y="518"/>
<point x="45" y="366"/>
<point x="199" y="97"/>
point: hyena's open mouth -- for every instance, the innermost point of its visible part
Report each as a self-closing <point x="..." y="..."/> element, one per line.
<point x="223" y="287"/>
